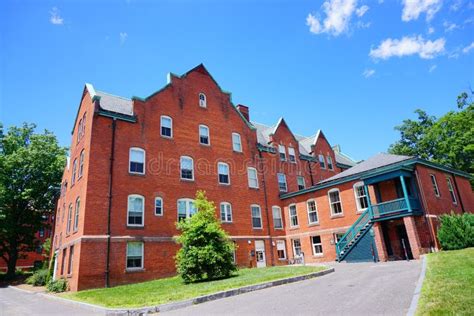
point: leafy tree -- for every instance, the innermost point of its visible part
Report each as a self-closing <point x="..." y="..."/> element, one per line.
<point x="206" y="249"/>
<point x="448" y="140"/>
<point x="31" y="167"/>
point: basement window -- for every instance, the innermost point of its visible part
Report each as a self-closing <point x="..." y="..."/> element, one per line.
<point x="317" y="245"/>
<point x="135" y="255"/>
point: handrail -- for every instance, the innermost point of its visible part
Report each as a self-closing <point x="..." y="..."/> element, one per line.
<point x="363" y="219"/>
<point x="388" y="202"/>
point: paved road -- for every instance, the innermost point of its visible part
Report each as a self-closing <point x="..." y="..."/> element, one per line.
<point x="14" y="302"/>
<point x="354" y="289"/>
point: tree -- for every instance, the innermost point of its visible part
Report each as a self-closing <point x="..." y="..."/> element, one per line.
<point x="448" y="140"/>
<point x="31" y="168"/>
<point x="206" y="249"/>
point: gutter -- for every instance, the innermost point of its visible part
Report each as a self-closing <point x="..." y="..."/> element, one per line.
<point x="266" y="209"/>
<point x="109" y="212"/>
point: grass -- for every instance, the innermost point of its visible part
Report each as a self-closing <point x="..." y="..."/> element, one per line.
<point x="448" y="288"/>
<point x="174" y="289"/>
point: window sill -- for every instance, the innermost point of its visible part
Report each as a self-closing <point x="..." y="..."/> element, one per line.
<point x="282" y="259"/>
<point x="69" y="276"/>
<point x="205" y="145"/>
<point x="337" y="216"/>
<point x="318" y="255"/>
<point x="252" y="188"/>
<point x="224" y="184"/>
<point x="294" y="227"/>
<point x="257" y="228"/>
<point x="134" y="270"/>
<point x="361" y="211"/>
<point x="313" y="224"/>
<point x="159" y="215"/>
<point x="135" y="227"/>
<point x="280" y="228"/>
<point x="166" y="137"/>
<point x="227" y="222"/>
<point x="238" y="152"/>
<point x="136" y="174"/>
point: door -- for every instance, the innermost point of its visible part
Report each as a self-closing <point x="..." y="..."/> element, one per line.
<point x="260" y="253"/>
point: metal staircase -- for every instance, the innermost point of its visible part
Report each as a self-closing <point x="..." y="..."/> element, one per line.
<point x="354" y="234"/>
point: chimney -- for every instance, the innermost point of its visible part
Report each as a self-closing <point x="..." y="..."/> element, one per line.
<point x="244" y="110"/>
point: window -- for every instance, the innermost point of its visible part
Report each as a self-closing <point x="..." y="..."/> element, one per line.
<point x="76" y="214"/>
<point x="81" y="164"/>
<point x="451" y="190"/>
<point x="134" y="255"/>
<point x="236" y="142"/>
<point x="361" y="197"/>
<point x="223" y="173"/>
<point x="204" y="135"/>
<point x="317" y="245"/>
<point x="291" y="154"/>
<point x="166" y="126"/>
<point x="277" y="220"/>
<point x="202" y="100"/>
<point x="337" y="237"/>
<point x="312" y="212"/>
<point x="159" y="206"/>
<point x="71" y="257"/>
<point x="282" y="182"/>
<point x="187" y="168"/>
<point x="186" y="208"/>
<point x="63" y="261"/>
<point x="137" y="161"/>
<point x="135" y="210"/>
<point x="330" y="165"/>
<point x="79" y="130"/>
<point x="301" y="184"/>
<point x="83" y="124"/>
<point x="226" y="212"/>
<point x="296" y="247"/>
<point x="435" y="184"/>
<point x="335" y="202"/>
<point x="74" y="169"/>
<point x="252" y="175"/>
<point x="322" y="163"/>
<point x="281" y="251"/>
<point x="293" y="215"/>
<point x="69" y="219"/>
<point x="282" y="151"/>
<point x="256" y="216"/>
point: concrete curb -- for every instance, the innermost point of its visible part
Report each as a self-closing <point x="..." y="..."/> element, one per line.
<point x="419" y="284"/>
<point x="191" y="301"/>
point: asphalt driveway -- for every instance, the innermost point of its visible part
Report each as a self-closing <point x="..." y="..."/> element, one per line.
<point x="353" y="289"/>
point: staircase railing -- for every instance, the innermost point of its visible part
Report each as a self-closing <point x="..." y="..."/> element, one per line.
<point x="354" y="230"/>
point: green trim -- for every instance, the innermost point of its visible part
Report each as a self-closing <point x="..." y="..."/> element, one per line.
<point x="267" y="149"/>
<point x="444" y="168"/>
<point x="118" y="116"/>
<point x="341" y="165"/>
<point x="307" y="158"/>
<point x="151" y="95"/>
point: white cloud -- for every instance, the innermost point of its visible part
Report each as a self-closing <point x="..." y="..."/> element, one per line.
<point x="362" y="25"/>
<point x="338" y="16"/>
<point x="468" y="48"/>
<point x="380" y="1"/>
<point x="408" y="46"/>
<point x="368" y="73"/>
<point x="432" y="68"/>
<point x="123" y="37"/>
<point x="362" y="10"/>
<point x="449" y="27"/>
<point x="413" y="8"/>
<point x="55" y="18"/>
<point x="431" y="30"/>
<point x="456" y="5"/>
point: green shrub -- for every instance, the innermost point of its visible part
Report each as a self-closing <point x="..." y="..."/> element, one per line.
<point x="206" y="250"/>
<point x="57" y="286"/>
<point x="39" y="278"/>
<point x="456" y="231"/>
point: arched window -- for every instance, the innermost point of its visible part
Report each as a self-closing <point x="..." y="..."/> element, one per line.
<point x="226" y="212"/>
<point x="186" y="208"/>
<point x="81" y="164"/>
<point x="362" y="202"/>
<point x="135" y="210"/>
<point x="159" y="206"/>
<point x="335" y="202"/>
<point x="76" y="214"/>
<point x="166" y="126"/>
<point x="202" y="100"/>
<point x="69" y="219"/>
<point x="136" y="161"/>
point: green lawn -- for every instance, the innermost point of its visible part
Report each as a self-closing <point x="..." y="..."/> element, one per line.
<point x="448" y="288"/>
<point x="173" y="289"/>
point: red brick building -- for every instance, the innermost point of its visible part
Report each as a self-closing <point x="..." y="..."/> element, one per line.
<point x="136" y="165"/>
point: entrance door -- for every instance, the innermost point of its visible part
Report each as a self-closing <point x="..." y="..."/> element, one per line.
<point x="404" y="242"/>
<point x="260" y="253"/>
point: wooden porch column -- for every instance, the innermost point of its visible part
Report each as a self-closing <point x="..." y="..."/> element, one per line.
<point x="379" y="242"/>
<point x="405" y="193"/>
<point x="413" y="237"/>
<point x="369" y="204"/>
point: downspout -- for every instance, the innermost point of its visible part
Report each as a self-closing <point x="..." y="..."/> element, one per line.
<point x="264" y="185"/>
<point x="425" y="208"/>
<point x="111" y="173"/>
<point x="458" y="192"/>
<point x="310" y="173"/>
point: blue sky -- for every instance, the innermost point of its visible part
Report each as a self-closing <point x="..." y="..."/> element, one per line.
<point x="354" y="69"/>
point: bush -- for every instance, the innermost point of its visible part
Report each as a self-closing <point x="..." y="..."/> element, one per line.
<point x="57" y="286"/>
<point x="456" y="231"/>
<point x="206" y="249"/>
<point x="39" y="278"/>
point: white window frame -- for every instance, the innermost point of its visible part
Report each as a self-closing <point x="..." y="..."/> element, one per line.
<point x="142" y="256"/>
<point x="227" y="211"/>
<point x="294" y="248"/>
<point x="74" y="170"/>
<point x="331" y="203"/>
<point x="322" y="161"/>
<point x="329" y="163"/>
<point x="208" y="135"/>
<point x="202" y="101"/>
<point x="181" y="169"/>
<point x="282" y="151"/>
<point x="252" y="217"/>
<point x="69" y="219"/>
<point x="309" y="211"/>
<point x="161" y="126"/>
<point x="159" y="198"/>
<point x="452" y="192"/>
<point x="280" y="217"/>
<point x="188" y="203"/>
<point x="434" y="183"/>
<point x="291" y="216"/>
<point x="81" y="164"/>
<point x="143" y="210"/>
<point x="218" y="173"/>
<point x="249" y="178"/>
<point x="286" y="184"/>
<point x="303" y="182"/>
<point x="291" y="153"/>
<point x="359" y="207"/>
<point x="130" y="159"/>
<point x="234" y="135"/>
<point x="279" y="246"/>
<point x="76" y="215"/>
<point x="317" y="254"/>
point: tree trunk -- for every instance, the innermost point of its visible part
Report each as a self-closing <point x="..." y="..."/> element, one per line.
<point x="11" y="264"/>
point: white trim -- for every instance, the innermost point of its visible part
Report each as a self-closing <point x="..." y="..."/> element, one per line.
<point x="452" y="192"/>
<point x="294" y="248"/>
<point x="286" y="183"/>
<point x="180" y="168"/>
<point x="208" y="135"/>
<point x="130" y="159"/>
<point x="331" y="203"/>
<point x="187" y="202"/>
<point x="76" y="215"/>
<point x="358" y="206"/>
<point x="69" y="219"/>
<point x="142" y="255"/>
<point x="284" y="249"/>
<point x="218" y="174"/>
<point x="298" y="184"/>
<point x="290" y="150"/>
<point x="329" y="158"/>
<point x="161" y="125"/>
<point x="296" y="216"/>
<point x="324" y="161"/>
<point x="230" y="210"/>
<point x="281" y="217"/>
<point x="240" y="142"/>
<point x="252" y="217"/>
<point x="307" y="211"/>
<point x="162" y="206"/>
<point x="319" y="254"/>
<point x="434" y="183"/>
<point x="81" y="164"/>
<point x="143" y="209"/>
<point x="248" y="177"/>
<point x="282" y="150"/>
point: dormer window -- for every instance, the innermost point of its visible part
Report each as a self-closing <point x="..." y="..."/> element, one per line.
<point x="291" y="154"/>
<point x="282" y="151"/>
<point x="202" y="100"/>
